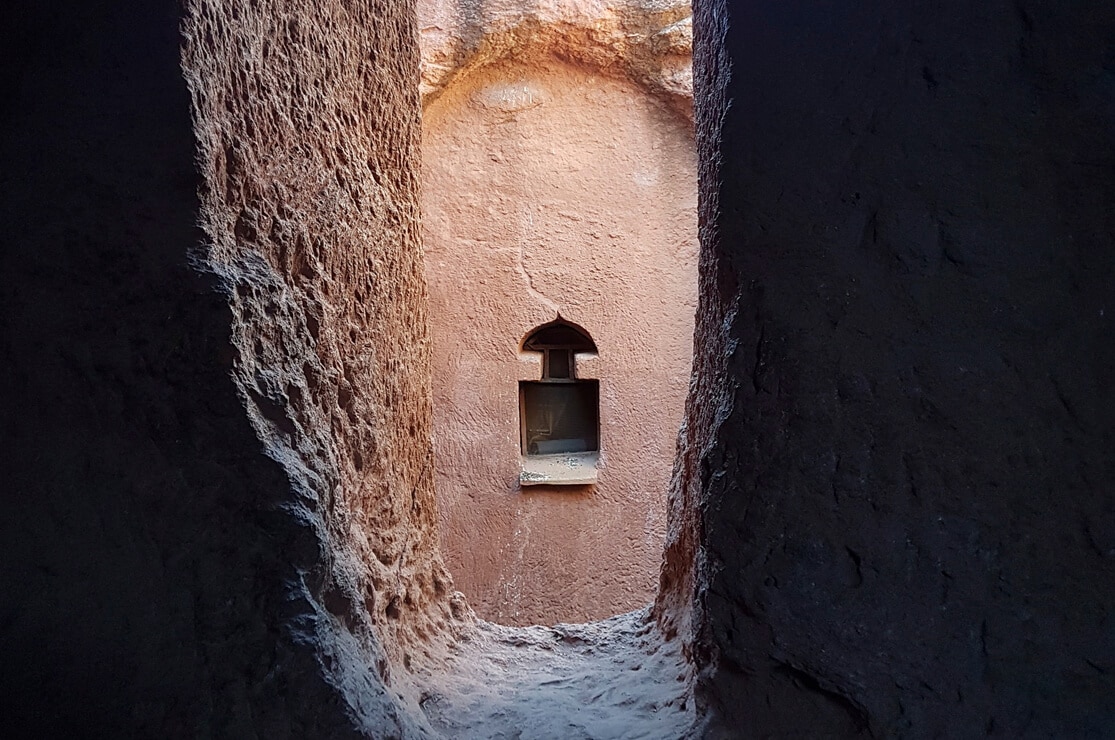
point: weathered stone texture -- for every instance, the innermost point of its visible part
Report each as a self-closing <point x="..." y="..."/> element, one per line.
<point x="143" y="565"/>
<point x="558" y="177"/>
<point x="308" y="124"/>
<point x="907" y="508"/>
<point x="162" y="576"/>
<point x="683" y="558"/>
<point x="646" y="41"/>
<point x="897" y="472"/>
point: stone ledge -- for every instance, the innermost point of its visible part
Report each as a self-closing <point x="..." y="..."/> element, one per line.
<point x="566" y="469"/>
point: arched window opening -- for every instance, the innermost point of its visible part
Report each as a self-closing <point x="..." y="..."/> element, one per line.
<point x="558" y="342"/>
<point x="559" y="414"/>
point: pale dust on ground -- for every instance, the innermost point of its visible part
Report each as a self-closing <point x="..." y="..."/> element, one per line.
<point x="604" y="680"/>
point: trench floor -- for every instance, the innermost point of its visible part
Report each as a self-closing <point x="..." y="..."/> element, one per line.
<point x="605" y="680"/>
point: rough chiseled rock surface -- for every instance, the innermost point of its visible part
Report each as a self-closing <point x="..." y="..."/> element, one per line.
<point x="161" y="575"/>
<point x="307" y="122"/>
<point x="907" y="510"/>
<point x="897" y="472"/>
<point x="646" y="41"/>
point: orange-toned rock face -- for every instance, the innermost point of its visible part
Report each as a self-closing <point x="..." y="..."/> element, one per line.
<point x="550" y="188"/>
<point x="311" y="207"/>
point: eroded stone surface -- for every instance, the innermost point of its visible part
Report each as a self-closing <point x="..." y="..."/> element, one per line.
<point x="905" y="502"/>
<point x="161" y="576"/>
<point x="905" y="335"/>
<point x="146" y="557"/>
<point x="646" y="41"/>
<point x="614" y="679"/>
<point x="308" y="126"/>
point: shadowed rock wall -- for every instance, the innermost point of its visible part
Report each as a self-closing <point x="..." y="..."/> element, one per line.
<point x="900" y="459"/>
<point x="907" y="507"/>
<point x="161" y="575"/>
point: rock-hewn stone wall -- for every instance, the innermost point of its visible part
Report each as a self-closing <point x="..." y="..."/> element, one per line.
<point x="548" y="189"/>
<point x="646" y="41"/>
<point x="907" y="508"/>
<point x="161" y="575"/>
<point x="558" y="177"/>
<point x="308" y="124"/>
<point x="898" y="470"/>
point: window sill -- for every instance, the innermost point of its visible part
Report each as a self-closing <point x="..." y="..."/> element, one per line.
<point x="568" y="469"/>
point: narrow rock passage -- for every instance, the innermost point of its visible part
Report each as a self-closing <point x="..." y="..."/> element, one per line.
<point x="610" y="679"/>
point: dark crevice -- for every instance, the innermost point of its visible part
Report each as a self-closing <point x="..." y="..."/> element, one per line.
<point x="807" y="681"/>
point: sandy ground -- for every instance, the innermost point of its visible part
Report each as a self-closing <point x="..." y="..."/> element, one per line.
<point x="603" y="680"/>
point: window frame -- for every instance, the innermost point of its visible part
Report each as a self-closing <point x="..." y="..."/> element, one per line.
<point x="576" y="468"/>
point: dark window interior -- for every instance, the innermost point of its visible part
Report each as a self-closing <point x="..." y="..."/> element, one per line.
<point x="559" y="413"/>
<point x="559" y="364"/>
<point x="559" y="335"/>
<point x="560" y="417"/>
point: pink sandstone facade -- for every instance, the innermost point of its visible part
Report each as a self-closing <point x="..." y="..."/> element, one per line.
<point x="552" y="188"/>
